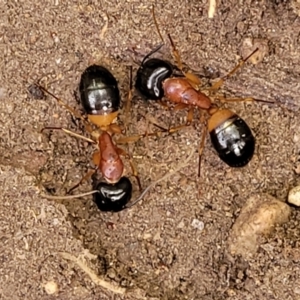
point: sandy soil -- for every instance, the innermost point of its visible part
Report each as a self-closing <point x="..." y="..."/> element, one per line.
<point x="158" y="249"/>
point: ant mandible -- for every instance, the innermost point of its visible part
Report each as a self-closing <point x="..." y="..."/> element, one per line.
<point x="230" y="135"/>
<point x="100" y="99"/>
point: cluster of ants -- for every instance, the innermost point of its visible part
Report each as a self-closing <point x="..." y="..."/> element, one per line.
<point x="156" y="79"/>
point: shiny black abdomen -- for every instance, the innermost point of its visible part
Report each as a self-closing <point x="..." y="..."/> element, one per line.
<point x="150" y="77"/>
<point x="113" y="197"/>
<point x="99" y="92"/>
<point x="234" y="142"/>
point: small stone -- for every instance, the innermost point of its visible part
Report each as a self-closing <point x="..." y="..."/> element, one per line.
<point x="258" y="218"/>
<point x="55" y="222"/>
<point x="51" y="287"/>
<point x="197" y="224"/>
<point x="294" y="196"/>
<point x="111" y="273"/>
<point x="296" y="138"/>
<point x="147" y="236"/>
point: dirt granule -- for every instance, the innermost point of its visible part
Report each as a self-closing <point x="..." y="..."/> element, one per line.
<point x="157" y="249"/>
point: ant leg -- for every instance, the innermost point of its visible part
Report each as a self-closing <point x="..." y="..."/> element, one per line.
<point x="202" y="144"/>
<point x="176" y="54"/>
<point x="132" y="165"/>
<point x="129" y="98"/>
<point x="130" y="139"/>
<point x="180" y="106"/>
<point x="70" y="109"/>
<point x="90" y="172"/>
<point x="190" y="114"/>
<point x="193" y="79"/>
<point x="224" y="99"/>
<point x="152" y="52"/>
<point x="135" y="138"/>
<point x="220" y="82"/>
<point x="115" y="128"/>
<point x="67" y="131"/>
<point x="88" y="175"/>
<point x="135" y="173"/>
<point x="156" y="24"/>
<point x="163" y="104"/>
<point x="189" y="117"/>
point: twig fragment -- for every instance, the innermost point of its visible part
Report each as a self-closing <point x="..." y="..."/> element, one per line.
<point x="104" y="29"/>
<point x="212" y="8"/>
<point x="92" y="274"/>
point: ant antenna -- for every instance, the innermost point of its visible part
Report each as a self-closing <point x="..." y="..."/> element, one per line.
<point x="50" y="197"/>
<point x="184" y="164"/>
<point x="152" y="52"/>
<point x="156" y="24"/>
<point x="241" y="63"/>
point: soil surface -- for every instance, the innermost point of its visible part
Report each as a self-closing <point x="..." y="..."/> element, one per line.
<point x="171" y="245"/>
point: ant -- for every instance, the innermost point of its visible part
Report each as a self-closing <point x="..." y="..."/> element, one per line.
<point x="230" y="135"/>
<point x="100" y="99"/>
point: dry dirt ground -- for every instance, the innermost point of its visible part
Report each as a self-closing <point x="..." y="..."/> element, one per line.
<point x="172" y="245"/>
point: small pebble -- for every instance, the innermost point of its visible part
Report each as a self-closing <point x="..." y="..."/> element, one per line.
<point x="296" y="138"/>
<point x="257" y="218"/>
<point x="51" y="287"/>
<point x="56" y="222"/>
<point x="147" y="236"/>
<point x="197" y="224"/>
<point x="294" y="196"/>
<point x="111" y="273"/>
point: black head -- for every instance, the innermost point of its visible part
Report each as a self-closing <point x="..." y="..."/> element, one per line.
<point x="99" y="92"/>
<point x="113" y="197"/>
<point x="150" y="77"/>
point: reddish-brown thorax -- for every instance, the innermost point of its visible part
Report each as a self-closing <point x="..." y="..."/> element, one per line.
<point x="179" y="90"/>
<point x="110" y="163"/>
